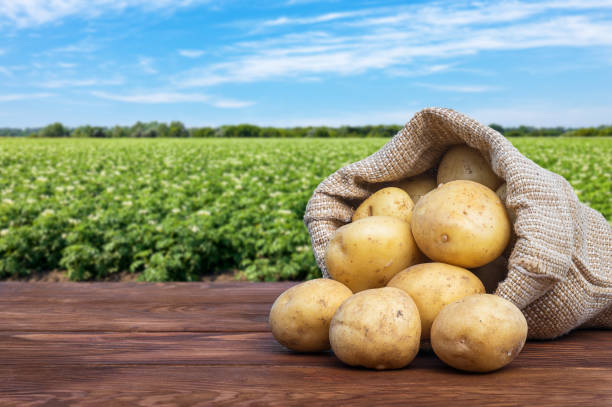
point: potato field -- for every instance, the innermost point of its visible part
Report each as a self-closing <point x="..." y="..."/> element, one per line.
<point x="178" y="209"/>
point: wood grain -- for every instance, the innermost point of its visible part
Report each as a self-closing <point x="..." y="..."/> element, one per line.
<point x="154" y="307"/>
<point x="116" y="344"/>
<point x="582" y="349"/>
<point x="300" y="385"/>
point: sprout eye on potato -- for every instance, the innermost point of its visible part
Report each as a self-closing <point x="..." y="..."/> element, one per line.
<point x="479" y="333"/>
<point x="369" y="252"/>
<point x="432" y="286"/>
<point x="461" y="223"/>
<point x="377" y="328"/>
<point x="301" y="315"/>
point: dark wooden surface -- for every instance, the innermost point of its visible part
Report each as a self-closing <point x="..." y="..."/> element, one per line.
<point x="209" y="344"/>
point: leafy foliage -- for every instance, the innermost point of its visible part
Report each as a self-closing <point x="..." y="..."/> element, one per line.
<point x="177" y="129"/>
<point x="175" y="209"/>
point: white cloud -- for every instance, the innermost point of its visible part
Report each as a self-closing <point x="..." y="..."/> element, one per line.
<point x="5" y="71"/>
<point x="191" y="53"/>
<point x="65" y="83"/>
<point x="343" y="118"/>
<point x="545" y="115"/>
<point x="82" y="47"/>
<point x="172" y="97"/>
<point x="27" y="13"/>
<point x="460" y="88"/>
<point x="231" y="104"/>
<point x="531" y="115"/>
<point x="66" y="65"/>
<point x="154" y="97"/>
<point x="392" y="40"/>
<point x="13" y="97"/>
<point x="421" y="70"/>
<point x="313" y="20"/>
<point x="146" y="64"/>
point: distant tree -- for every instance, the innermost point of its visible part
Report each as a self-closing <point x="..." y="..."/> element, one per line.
<point x="383" y="131"/>
<point x="497" y="127"/>
<point x="54" y="130"/>
<point x="89" y="131"/>
<point x="163" y="130"/>
<point x="119" y="132"/>
<point x="202" y="132"/>
<point x="270" y="132"/>
<point x="177" y="129"/>
<point x="82" y="131"/>
<point x="585" y="132"/>
<point x="140" y="129"/>
<point x="318" y="132"/>
<point x="245" y="130"/>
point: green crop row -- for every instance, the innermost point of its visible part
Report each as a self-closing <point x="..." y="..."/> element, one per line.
<point x="177" y="209"/>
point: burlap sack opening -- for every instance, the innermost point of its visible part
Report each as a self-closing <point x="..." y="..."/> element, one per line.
<point x="560" y="268"/>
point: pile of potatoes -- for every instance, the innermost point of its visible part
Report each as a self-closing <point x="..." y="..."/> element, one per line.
<point x="414" y="265"/>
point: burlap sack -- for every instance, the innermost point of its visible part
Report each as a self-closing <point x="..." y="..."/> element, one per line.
<point x="560" y="268"/>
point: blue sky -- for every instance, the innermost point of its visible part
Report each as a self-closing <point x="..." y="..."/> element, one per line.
<point x="303" y="62"/>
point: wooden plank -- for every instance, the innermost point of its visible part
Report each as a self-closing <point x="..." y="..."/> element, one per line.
<point x="581" y="349"/>
<point x="203" y="343"/>
<point x="204" y="293"/>
<point x="299" y="385"/>
<point x="137" y="307"/>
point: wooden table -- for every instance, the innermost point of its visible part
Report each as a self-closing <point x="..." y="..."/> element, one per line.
<point x="117" y="344"/>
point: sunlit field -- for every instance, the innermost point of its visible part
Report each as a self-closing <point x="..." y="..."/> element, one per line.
<point x="177" y="209"/>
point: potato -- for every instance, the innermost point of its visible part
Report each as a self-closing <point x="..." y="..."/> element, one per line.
<point x="492" y="274"/>
<point x="479" y="333"/>
<point x="386" y="202"/>
<point x="378" y="328"/>
<point x="369" y="252"/>
<point x="461" y="223"/>
<point x="502" y="192"/>
<point x="417" y="186"/>
<point x="432" y="286"/>
<point x="465" y="163"/>
<point x="300" y="316"/>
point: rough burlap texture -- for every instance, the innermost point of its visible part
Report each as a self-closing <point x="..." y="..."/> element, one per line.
<point x="560" y="268"/>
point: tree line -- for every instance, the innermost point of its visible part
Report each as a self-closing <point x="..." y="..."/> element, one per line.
<point x="177" y="129"/>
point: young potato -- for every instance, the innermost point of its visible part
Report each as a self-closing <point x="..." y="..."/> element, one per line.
<point x="386" y="202"/>
<point x="370" y="251"/>
<point x="492" y="274"/>
<point x="465" y="163"/>
<point x="479" y="333"/>
<point x="462" y="223"/>
<point x="433" y="286"/>
<point x="378" y="329"/>
<point x="502" y="192"/>
<point x="300" y="316"/>
<point x="417" y="186"/>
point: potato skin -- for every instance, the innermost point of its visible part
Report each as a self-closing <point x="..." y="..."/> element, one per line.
<point x="301" y="315"/>
<point x="432" y="286"/>
<point x="479" y="333"/>
<point x="389" y="201"/>
<point x="462" y="223"/>
<point x="417" y="186"/>
<point x="465" y="163"/>
<point x="369" y="252"/>
<point x="377" y="328"/>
